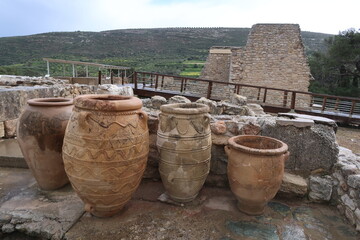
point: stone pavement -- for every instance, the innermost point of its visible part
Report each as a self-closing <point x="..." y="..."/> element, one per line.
<point x="24" y="209"/>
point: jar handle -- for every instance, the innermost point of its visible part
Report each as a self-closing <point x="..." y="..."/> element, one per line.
<point x="83" y="119"/>
<point x="286" y="156"/>
<point x="143" y="116"/>
<point x="227" y="150"/>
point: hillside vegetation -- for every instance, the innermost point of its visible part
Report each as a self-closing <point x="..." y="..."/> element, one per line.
<point x="165" y="50"/>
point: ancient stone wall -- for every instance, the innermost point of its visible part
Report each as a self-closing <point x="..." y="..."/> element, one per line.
<point x="273" y="57"/>
<point x="217" y="66"/>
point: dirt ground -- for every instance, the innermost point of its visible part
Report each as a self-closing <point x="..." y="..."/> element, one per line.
<point x="349" y="138"/>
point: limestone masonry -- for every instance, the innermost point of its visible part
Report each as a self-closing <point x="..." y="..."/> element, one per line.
<point x="273" y="57"/>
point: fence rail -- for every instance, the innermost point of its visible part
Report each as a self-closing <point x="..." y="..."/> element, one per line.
<point x="341" y="109"/>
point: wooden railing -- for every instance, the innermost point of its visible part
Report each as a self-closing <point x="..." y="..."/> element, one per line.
<point x="344" y="109"/>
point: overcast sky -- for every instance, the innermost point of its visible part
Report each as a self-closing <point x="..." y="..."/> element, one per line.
<point x="25" y="17"/>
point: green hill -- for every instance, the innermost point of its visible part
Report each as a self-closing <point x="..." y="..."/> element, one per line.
<point x="158" y="50"/>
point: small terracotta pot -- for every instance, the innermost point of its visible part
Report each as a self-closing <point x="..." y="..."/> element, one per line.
<point x="105" y="150"/>
<point x="184" y="144"/>
<point x="40" y="134"/>
<point x="255" y="170"/>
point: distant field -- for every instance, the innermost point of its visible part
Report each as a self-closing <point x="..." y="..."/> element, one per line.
<point x="192" y="68"/>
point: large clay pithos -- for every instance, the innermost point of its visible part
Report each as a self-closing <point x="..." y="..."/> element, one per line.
<point x="40" y="134"/>
<point x="255" y="170"/>
<point x="184" y="144"/>
<point x="105" y="150"/>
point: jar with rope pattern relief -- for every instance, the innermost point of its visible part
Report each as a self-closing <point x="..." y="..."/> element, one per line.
<point x="184" y="144"/>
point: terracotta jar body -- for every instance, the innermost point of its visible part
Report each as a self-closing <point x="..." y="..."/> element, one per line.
<point x="255" y="170"/>
<point x="105" y="150"/>
<point x="184" y="144"/>
<point x="40" y="134"/>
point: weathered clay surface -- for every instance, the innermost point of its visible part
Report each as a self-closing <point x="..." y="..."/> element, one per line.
<point x="184" y="143"/>
<point x="40" y="130"/>
<point x="255" y="170"/>
<point x="105" y="151"/>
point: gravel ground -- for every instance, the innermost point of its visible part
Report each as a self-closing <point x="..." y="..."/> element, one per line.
<point x="349" y="138"/>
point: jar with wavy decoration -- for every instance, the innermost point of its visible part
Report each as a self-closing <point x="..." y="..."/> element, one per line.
<point x="184" y="144"/>
<point x="105" y="150"/>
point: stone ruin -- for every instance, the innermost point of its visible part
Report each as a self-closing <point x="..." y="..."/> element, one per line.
<point x="273" y="57"/>
<point x="318" y="169"/>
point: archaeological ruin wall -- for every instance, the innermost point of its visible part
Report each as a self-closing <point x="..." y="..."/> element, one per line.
<point x="273" y="57"/>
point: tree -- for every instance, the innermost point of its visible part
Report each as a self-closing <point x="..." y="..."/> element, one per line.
<point x="338" y="69"/>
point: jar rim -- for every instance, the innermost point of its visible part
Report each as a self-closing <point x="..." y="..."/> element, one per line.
<point x="107" y="102"/>
<point x="240" y="143"/>
<point x="50" y="102"/>
<point x="185" y="108"/>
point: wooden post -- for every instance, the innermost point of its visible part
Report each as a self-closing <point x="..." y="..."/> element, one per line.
<point x="265" y="93"/>
<point x="324" y="104"/>
<point x="293" y="98"/>
<point x="87" y="70"/>
<point x="48" y="68"/>
<point x="135" y="80"/>
<point x="185" y="82"/>
<point x="259" y="91"/>
<point x="336" y="104"/>
<point x="73" y="66"/>
<point x="99" y="77"/>
<point x="182" y="85"/>
<point x="208" y="96"/>
<point x="111" y="77"/>
<point x="122" y="78"/>
<point x="156" y="81"/>
<point x="352" y="107"/>
<point x="162" y="82"/>
<point x="285" y="98"/>
<point x="144" y="79"/>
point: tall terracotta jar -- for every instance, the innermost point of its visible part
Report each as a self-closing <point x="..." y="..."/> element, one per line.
<point x="40" y="134"/>
<point x="255" y="170"/>
<point x="105" y="150"/>
<point x="184" y="144"/>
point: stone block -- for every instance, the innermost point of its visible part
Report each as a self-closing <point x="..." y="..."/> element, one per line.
<point x="294" y="185"/>
<point x="218" y="127"/>
<point x="255" y="110"/>
<point x="320" y="188"/>
<point x="310" y="148"/>
<point x="299" y="123"/>
<point x="214" y="109"/>
<point x="157" y="101"/>
<point x="233" y="109"/>
<point x="114" y="90"/>
<point x="348" y="202"/>
<point x="354" y="181"/>
<point x="178" y="99"/>
<point x="10" y="128"/>
<point x="2" y="130"/>
<point x="238" y="99"/>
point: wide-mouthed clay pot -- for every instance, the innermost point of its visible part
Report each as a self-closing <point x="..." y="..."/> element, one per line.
<point x="255" y="170"/>
<point x="40" y="134"/>
<point x="184" y="144"/>
<point x="105" y="150"/>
